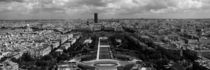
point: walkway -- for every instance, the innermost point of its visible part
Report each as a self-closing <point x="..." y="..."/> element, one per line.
<point x="104" y="51"/>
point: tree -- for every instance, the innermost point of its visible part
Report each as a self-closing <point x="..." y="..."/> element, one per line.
<point x="26" y="57"/>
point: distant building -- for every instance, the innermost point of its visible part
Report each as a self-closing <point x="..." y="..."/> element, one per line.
<point x="9" y="65"/>
<point x="3" y="54"/>
<point x="96" y="27"/>
<point x="73" y="41"/>
<point x="147" y="68"/>
<point x="108" y="29"/>
<point x="55" y="44"/>
<point x="60" y="51"/>
<point x="18" y="55"/>
<point x="64" y="39"/>
<point x="28" y="28"/>
<point x="46" y="51"/>
<point x="87" y="41"/>
<point x="67" y="45"/>
<point x="95" y="17"/>
<point x="70" y="36"/>
<point x="40" y="51"/>
<point x="118" y="28"/>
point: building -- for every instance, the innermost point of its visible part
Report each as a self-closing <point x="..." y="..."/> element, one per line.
<point x="18" y="55"/>
<point x="9" y="65"/>
<point x="66" y="45"/>
<point x="67" y="66"/>
<point x="46" y="51"/>
<point x="60" y="51"/>
<point x="147" y="68"/>
<point x="95" y="17"/>
<point x="55" y="44"/>
<point x="40" y="51"/>
<point x="3" y="54"/>
<point x="87" y="41"/>
<point x="96" y="27"/>
<point x="64" y="39"/>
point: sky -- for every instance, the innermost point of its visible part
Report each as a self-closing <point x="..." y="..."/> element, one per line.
<point x="82" y="9"/>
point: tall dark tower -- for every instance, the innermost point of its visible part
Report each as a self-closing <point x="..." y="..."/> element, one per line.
<point x="96" y="17"/>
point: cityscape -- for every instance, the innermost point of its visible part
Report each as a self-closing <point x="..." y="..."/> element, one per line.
<point x="104" y="35"/>
<point x="105" y="44"/>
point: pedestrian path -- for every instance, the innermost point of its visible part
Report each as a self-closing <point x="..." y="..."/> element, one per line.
<point x="103" y="51"/>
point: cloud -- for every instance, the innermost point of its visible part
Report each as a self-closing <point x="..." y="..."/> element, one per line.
<point x="11" y="0"/>
<point x="106" y="8"/>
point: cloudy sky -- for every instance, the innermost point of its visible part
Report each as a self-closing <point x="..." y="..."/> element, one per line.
<point x="74" y="9"/>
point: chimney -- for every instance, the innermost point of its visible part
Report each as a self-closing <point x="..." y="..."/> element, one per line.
<point x="95" y="17"/>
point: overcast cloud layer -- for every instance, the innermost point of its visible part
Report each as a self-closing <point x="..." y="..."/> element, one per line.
<point x="73" y="9"/>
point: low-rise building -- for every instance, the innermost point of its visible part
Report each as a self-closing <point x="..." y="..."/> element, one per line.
<point x="87" y="41"/>
<point x="40" y="51"/>
<point x="3" y="54"/>
<point x="9" y="65"/>
<point x="55" y="44"/>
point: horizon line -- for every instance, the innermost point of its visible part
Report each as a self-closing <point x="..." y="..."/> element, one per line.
<point x="103" y="18"/>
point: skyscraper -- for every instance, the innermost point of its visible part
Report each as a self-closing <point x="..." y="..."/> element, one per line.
<point x="95" y="17"/>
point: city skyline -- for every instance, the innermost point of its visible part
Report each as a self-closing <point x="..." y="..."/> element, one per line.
<point x="82" y="9"/>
